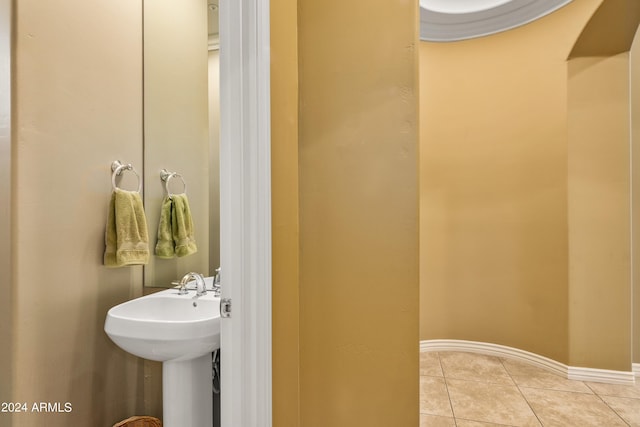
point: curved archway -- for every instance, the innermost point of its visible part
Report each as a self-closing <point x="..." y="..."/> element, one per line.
<point x="600" y="38"/>
<point x="451" y="20"/>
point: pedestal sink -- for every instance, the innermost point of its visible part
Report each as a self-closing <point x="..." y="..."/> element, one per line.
<point x="180" y="331"/>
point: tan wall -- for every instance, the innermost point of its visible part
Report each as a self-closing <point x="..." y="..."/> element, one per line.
<point x="493" y="164"/>
<point x="599" y="213"/>
<point x="358" y="213"/>
<point x="635" y="186"/>
<point x="79" y="107"/>
<point x="284" y="183"/>
<point x="610" y="31"/>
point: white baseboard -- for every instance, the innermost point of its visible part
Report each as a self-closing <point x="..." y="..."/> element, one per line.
<point x="601" y="376"/>
<point x="569" y="372"/>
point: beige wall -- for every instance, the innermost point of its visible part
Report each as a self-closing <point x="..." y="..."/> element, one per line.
<point x="358" y="213"/>
<point x="635" y="186"/>
<point x="599" y="189"/>
<point x="78" y="92"/>
<point x="284" y="193"/>
<point x="599" y="213"/>
<point x="494" y="231"/>
<point x="610" y="31"/>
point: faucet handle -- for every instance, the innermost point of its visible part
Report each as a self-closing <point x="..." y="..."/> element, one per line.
<point x="183" y="287"/>
<point x="201" y="288"/>
<point x="216" y="283"/>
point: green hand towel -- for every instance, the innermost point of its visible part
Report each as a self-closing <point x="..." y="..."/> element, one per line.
<point x="126" y="235"/>
<point x="175" y="229"/>
<point x="164" y="245"/>
<point x="182" y="226"/>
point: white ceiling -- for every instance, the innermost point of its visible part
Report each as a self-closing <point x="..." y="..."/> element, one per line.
<point x="451" y="20"/>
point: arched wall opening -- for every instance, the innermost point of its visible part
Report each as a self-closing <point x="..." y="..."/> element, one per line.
<point x="599" y="188"/>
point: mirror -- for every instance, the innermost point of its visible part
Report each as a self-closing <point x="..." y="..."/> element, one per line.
<point x="181" y="122"/>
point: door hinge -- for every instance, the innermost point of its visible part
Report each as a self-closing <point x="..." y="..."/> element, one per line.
<point x="225" y="307"/>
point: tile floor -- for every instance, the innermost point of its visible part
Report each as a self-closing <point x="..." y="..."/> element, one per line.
<point x="474" y="390"/>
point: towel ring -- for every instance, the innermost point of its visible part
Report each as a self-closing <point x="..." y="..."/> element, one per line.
<point x="166" y="176"/>
<point x="117" y="167"/>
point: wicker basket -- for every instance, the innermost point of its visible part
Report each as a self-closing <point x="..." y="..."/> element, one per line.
<point x="139" y="422"/>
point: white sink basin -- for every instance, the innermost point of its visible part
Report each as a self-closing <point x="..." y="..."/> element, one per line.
<point x="166" y="326"/>
<point x="180" y="331"/>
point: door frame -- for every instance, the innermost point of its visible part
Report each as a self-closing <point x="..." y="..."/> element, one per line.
<point x="6" y="312"/>
<point x="245" y="214"/>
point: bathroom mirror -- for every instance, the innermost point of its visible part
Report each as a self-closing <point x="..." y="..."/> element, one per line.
<point x="181" y="127"/>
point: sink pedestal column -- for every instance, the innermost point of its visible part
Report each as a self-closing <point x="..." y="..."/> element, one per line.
<point x="187" y="396"/>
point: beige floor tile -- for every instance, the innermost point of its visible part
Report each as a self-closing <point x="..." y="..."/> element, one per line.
<point x="469" y="423"/>
<point x="627" y="408"/>
<point x="436" y="421"/>
<point x="490" y="403"/>
<point x="430" y="364"/>
<point x="434" y="399"/>
<point x="528" y="375"/>
<point x="616" y="390"/>
<point x="474" y="367"/>
<point x="479" y="391"/>
<point x="563" y="409"/>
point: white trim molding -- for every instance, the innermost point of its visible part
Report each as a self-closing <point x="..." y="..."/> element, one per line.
<point x="6" y="195"/>
<point x="451" y="20"/>
<point x="600" y="375"/>
<point x="636" y="370"/>
<point x="495" y="350"/>
<point x="245" y="214"/>
<point x="569" y="372"/>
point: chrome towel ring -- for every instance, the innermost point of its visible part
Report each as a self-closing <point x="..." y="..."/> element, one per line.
<point x="117" y="167"/>
<point x="167" y="176"/>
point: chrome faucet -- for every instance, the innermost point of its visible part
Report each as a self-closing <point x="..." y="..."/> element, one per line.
<point x="216" y="283"/>
<point x="201" y="288"/>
